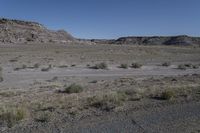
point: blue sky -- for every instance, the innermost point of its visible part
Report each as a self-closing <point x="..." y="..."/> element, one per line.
<point x="109" y="18"/>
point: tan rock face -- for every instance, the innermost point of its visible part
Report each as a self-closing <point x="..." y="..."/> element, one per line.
<point x="17" y="31"/>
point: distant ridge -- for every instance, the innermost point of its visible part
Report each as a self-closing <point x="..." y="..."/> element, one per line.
<point x="18" y="31"/>
<point x="183" y="40"/>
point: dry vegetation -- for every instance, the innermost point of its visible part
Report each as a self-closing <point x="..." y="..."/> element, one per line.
<point x="45" y="89"/>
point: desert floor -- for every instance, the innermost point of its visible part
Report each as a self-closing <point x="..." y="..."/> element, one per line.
<point x="153" y="98"/>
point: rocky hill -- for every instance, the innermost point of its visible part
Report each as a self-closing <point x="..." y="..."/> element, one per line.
<point x="182" y="40"/>
<point x="17" y="31"/>
<point x="159" y="40"/>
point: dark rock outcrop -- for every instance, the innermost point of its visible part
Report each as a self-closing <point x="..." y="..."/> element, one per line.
<point x="159" y="40"/>
<point x="182" y="40"/>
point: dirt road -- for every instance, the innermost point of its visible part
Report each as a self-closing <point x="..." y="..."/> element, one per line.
<point x="28" y="76"/>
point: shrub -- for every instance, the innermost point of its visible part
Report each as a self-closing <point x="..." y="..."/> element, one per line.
<point x="132" y="95"/>
<point x="102" y="65"/>
<point x="73" y="88"/>
<point x="13" y="60"/>
<point x="125" y="66"/>
<point x="108" y="101"/>
<point x="93" y="81"/>
<point x="166" y="64"/>
<point x="11" y="116"/>
<point x="1" y="78"/>
<point x="73" y="65"/>
<point x="63" y="66"/>
<point x="195" y="66"/>
<point x="167" y="95"/>
<point x="46" y="69"/>
<point x="188" y="65"/>
<point x="182" y="67"/>
<point x="19" y="68"/>
<point x="24" y="66"/>
<point x="136" y="65"/>
<point x="7" y="93"/>
<point x="37" y="65"/>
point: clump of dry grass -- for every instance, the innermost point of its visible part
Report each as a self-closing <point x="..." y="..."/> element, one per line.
<point x="63" y="66"/>
<point x="195" y="66"/>
<point x="125" y="66"/>
<point x="73" y="65"/>
<point x="187" y="65"/>
<point x="13" y="60"/>
<point x="132" y="95"/>
<point x="73" y="88"/>
<point x="101" y="65"/>
<point x="43" y="117"/>
<point x="46" y="69"/>
<point x="181" y="67"/>
<point x="166" y="64"/>
<point x="19" y="68"/>
<point x="8" y="93"/>
<point x="107" y="101"/>
<point x="11" y="115"/>
<point x="167" y="95"/>
<point x="36" y="65"/>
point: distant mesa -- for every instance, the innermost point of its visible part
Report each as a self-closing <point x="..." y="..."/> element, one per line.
<point x="18" y="31"/>
<point x="181" y="40"/>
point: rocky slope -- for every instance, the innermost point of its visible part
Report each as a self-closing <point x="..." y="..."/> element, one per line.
<point x="17" y="31"/>
<point x="155" y="40"/>
<point x="159" y="40"/>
